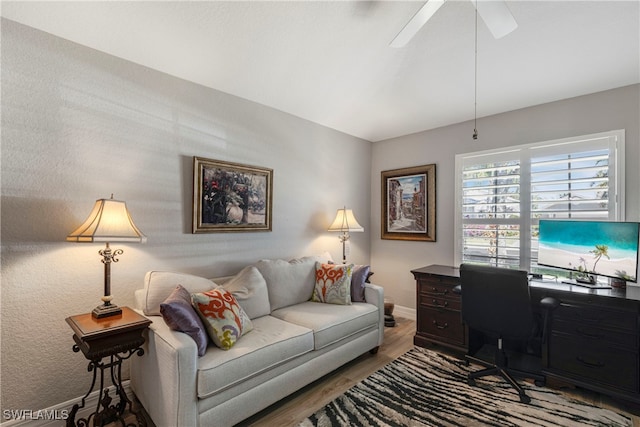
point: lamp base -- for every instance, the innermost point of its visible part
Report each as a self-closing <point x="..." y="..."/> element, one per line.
<point x="106" y="310"/>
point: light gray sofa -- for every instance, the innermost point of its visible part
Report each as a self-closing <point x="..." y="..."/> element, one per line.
<point x="293" y="342"/>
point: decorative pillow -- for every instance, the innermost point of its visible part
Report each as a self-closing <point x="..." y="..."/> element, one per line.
<point x="358" y="279"/>
<point x="333" y="283"/>
<point x="180" y="315"/>
<point x="158" y="285"/>
<point x="250" y="290"/>
<point x="222" y="316"/>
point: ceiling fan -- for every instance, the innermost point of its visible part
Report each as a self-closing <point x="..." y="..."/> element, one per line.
<point x="495" y="14"/>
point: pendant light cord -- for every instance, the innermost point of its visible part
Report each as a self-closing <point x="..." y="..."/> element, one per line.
<point x="475" y="82"/>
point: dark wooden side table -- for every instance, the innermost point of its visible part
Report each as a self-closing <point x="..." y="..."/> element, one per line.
<point x="106" y="342"/>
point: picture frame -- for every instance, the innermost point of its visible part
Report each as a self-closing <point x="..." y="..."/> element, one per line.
<point x="231" y="197"/>
<point x="409" y="203"/>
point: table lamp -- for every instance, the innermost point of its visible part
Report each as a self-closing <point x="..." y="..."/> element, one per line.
<point x="345" y="222"/>
<point x="109" y="221"/>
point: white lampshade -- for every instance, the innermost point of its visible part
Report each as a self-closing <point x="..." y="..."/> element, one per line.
<point x="345" y="221"/>
<point x="109" y="221"/>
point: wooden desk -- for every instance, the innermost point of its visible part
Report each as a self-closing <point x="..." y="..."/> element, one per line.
<point x="593" y="338"/>
<point x="116" y="338"/>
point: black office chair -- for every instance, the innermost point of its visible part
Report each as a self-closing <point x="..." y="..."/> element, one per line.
<point x="496" y="301"/>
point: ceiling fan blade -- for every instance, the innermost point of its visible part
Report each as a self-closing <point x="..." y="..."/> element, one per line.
<point x="497" y="16"/>
<point x="419" y="19"/>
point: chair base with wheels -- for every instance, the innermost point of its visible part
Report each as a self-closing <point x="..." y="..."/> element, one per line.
<point x="500" y="368"/>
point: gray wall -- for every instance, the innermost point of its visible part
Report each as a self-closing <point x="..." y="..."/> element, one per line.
<point x="78" y="125"/>
<point x="392" y="260"/>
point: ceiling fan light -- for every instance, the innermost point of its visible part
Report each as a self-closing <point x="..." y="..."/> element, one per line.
<point x="419" y="19"/>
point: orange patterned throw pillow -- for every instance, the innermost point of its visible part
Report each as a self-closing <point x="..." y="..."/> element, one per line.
<point x="333" y="284"/>
<point x="223" y="318"/>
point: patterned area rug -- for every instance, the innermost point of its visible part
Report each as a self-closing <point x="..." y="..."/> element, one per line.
<point x="425" y="388"/>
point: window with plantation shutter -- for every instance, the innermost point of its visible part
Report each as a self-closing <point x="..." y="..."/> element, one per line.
<point x="491" y="210"/>
<point x="502" y="194"/>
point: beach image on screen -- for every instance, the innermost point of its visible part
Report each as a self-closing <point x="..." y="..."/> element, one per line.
<point x="596" y="247"/>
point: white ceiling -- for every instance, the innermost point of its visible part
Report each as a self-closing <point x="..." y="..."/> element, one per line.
<point x="330" y="62"/>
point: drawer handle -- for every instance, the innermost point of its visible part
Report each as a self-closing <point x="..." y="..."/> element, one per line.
<point x="590" y="364"/>
<point x="580" y="331"/>
<point x="446" y="325"/>
<point x="435" y="290"/>
<point x="446" y="303"/>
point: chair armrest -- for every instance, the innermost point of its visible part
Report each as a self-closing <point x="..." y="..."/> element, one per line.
<point x="164" y="378"/>
<point x="549" y="303"/>
<point x="374" y="294"/>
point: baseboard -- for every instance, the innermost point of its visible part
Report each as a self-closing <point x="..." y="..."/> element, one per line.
<point x="405" y="312"/>
<point x="56" y="415"/>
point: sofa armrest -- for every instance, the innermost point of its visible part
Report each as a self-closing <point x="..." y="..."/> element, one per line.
<point x="164" y="378"/>
<point x="138" y="298"/>
<point x="374" y="294"/>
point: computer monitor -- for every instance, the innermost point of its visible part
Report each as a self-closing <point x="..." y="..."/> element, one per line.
<point x="590" y="248"/>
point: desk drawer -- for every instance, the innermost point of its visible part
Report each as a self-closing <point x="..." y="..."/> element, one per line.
<point x="590" y="362"/>
<point x="445" y="325"/>
<point x="437" y="285"/>
<point x="593" y="335"/>
<point x="598" y="316"/>
<point x="440" y="302"/>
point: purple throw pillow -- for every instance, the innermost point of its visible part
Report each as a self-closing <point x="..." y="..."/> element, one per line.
<point x="358" y="278"/>
<point x="180" y="315"/>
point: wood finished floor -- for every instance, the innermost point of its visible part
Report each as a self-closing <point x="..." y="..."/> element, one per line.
<point x="397" y="341"/>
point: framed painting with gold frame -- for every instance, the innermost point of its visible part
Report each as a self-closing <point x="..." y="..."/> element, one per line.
<point x="409" y="203"/>
<point x="231" y="197"/>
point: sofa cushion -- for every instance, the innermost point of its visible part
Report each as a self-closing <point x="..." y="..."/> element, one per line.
<point x="288" y="282"/>
<point x="333" y="283"/>
<point x="250" y="289"/>
<point x="272" y="343"/>
<point x="158" y="285"/>
<point x="222" y="316"/>
<point x="180" y="315"/>
<point x="330" y="322"/>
